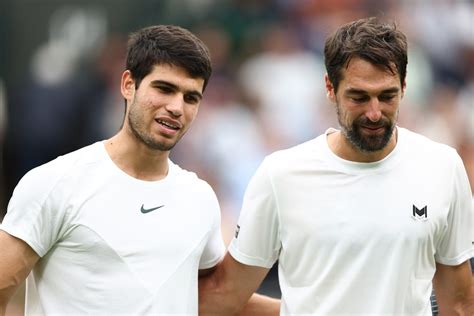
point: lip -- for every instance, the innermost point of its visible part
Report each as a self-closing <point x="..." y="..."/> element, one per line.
<point x="373" y="129"/>
<point x="168" y="129"/>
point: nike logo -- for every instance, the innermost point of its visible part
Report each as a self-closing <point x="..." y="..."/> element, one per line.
<point x="148" y="210"/>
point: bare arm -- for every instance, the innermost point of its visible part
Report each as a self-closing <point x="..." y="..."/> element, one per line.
<point x="228" y="289"/>
<point x="206" y="272"/>
<point x="261" y="305"/>
<point x="16" y="261"/>
<point x="453" y="289"/>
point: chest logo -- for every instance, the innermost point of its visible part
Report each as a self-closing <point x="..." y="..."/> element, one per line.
<point x="148" y="210"/>
<point x="420" y="213"/>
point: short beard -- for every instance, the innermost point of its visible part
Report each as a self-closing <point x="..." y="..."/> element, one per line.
<point x="135" y="121"/>
<point x="367" y="144"/>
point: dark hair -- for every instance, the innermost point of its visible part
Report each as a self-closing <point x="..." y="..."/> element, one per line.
<point x="167" y="44"/>
<point x="370" y="39"/>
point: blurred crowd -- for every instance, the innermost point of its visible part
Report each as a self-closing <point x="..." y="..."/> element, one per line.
<point x="266" y="92"/>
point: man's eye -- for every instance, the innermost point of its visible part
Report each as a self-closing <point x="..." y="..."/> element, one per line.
<point x="387" y="97"/>
<point x="165" y="89"/>
<point x="359" y="99"/>
<point x="191" y="99"/>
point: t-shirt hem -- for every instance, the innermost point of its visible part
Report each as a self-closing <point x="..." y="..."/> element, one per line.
<point x="21" y="235"/>
<point x="210" y="264"/>
<point x="466" y="255"/>
<point x="248" y="260"/>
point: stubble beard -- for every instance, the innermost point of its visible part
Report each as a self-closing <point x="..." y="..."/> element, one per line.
<point x="366" y="143"/>
<point x="136" y="122"/>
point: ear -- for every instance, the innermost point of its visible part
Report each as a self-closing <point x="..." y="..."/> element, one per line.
<point x="331" y="95"/>
<point x="127" y="85"/>
<point x="404" y="86"/>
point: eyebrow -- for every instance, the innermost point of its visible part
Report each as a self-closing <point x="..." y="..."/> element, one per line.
<point x="360" y="91"/>
<point x="175" y="87"/>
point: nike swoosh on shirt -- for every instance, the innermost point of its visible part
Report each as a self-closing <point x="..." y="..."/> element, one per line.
<point x="148" y="210"/>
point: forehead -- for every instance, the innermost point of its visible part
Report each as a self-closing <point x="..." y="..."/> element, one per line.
<point x="175" y="75"/>
<point x="363" y="75"/>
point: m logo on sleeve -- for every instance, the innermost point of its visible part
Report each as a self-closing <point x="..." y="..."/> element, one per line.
<point x="420" y="213"/>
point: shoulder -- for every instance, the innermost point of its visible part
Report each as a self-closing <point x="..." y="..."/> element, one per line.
<point x="295" y="156"/>
<point x="196" y="192"/>
<point x="190" y="180"/>
<point x="421" y="146"/>
<point x="422" y="153"/>
<point x="42" y="179"/>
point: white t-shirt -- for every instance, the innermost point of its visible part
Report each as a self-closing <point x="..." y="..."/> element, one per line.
<point x="111" y="244"/>
<point x="357" y="238"/>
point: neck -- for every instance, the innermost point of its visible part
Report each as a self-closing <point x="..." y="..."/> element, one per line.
<point x="136" y="159"/>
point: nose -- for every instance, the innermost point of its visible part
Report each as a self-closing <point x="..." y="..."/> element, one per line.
<point x="175" y="106"/>
<point x="373" y="112"/>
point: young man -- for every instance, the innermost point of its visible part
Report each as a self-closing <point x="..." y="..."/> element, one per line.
<point x="361" y="219"/>
<point x="116" y="227"/>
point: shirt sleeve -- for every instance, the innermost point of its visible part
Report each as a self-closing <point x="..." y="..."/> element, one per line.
<point x="257" y="238"/>
<point x="32" y="215"/>
<point x="214" y="249"/>
<point x="455" y="246"/>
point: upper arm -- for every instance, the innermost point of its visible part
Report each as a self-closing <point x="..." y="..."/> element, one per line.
<point x="453" y="288"/>
<point x="214" y="248"/>
<point x="257" y="241"/>
<point x="243" y="279"/>
<point x="255" y="247"/>
<point x="16" y="261"/>
<point x="206" y="272"/>
<point x="229" y="287"/>
<point x="455" y="245"/>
